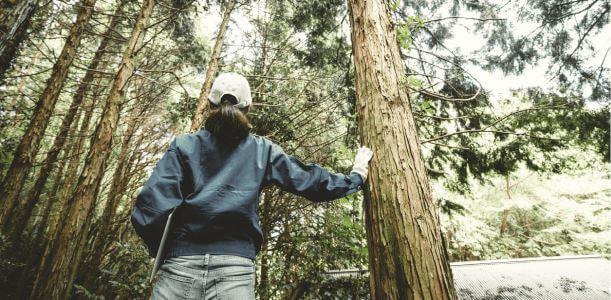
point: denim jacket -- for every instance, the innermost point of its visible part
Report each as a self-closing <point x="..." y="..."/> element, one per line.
<point x="216" y="188"/>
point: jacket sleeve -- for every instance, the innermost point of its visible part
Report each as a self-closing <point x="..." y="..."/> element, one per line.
<point x="311" y="181"/>
<point x="160" y="195"/>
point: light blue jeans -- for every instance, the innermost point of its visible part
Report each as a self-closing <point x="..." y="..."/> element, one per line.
<point x="206" y="277"/>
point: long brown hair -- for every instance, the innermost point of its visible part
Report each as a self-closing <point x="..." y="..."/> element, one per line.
<point x="228" y="123"/>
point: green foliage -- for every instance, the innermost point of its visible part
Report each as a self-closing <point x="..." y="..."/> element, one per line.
<point x="329" y="288"/>
<point x="193" y="51"/>
<point x="9" y="266"/>
<point x="516" y="36"/>
<point x="123" y="275"/>
<point x="407" y="29"/>
<point x="563" y="32"/>
<point x="320" y="21"/>
<point x="559" y="215"/>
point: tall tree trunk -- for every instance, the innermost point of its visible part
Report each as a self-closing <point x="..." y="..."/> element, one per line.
<point x="61" y="260"/>
<point x="69" y="182"/>
<point x="119" y="181"/>
<point x="22" y="215"/>
<point x="30" y="142"/>
<point x="52" y="198"/>
<point x="117" y="221"/>
<point x="15" y="19"/>
<point x="213" y="64"/>
<point x="37" y="244"/>
<point x="407" y="255"/>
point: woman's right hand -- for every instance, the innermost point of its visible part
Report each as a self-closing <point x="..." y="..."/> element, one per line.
<point x="361" y="161"/>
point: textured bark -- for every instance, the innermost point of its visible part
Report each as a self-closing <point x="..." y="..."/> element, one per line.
<point x="30" y="142"/>
<point x="57" y="272"/>
<point x="407" y="256"/>
<point x="119" y="182"/>
<point x="37" y="244"/>
<point x="53" y="197"/>
<point x="17" y="222"/>
<point x="15" y="19"/>
<point x="69" y="182"/>
<point x="213" y="65"/>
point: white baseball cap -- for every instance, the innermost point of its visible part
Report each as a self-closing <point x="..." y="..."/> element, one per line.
<point x="233" y="84"/>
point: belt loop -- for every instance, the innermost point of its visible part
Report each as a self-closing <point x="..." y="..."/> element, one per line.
<point x="206" y="259"/>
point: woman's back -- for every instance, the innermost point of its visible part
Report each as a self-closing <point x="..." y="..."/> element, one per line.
<point x="211" y="179"/>
<point x="217" y="187"/>
<point x="223" y="184"/>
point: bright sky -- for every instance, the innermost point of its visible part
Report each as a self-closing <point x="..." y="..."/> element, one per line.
<point x="465" y="41"/>
<point x="496" y="82"/>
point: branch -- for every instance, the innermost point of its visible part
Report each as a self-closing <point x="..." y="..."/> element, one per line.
<point x="582" y="38"/>
<point x="31" y="74"/>
<point x="184" y="90"/>
<point x="465" y="18"/>
<point x="489" y="131"/>
<point x="485" y="129"/>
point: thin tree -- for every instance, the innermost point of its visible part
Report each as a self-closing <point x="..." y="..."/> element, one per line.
<point x="15" y="17"/>
<point x="30" y="142"/>
<point x="22" y="215"/>
<point x="119" y="181"/>
<point x="213" y="65"/>
<point x="407" y="255"/>
<point x="61" y="260"/>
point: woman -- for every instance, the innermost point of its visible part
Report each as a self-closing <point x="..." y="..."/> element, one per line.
<point x="213" y="178"/>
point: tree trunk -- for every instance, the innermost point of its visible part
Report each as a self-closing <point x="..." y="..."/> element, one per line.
<point x="15" y="19"/>
<point x="69" y="182"/>
<point x="30" y="142"/>
<point x="213" y="64"/>
<point x="22" y="215"/>
<point x="506" y="210"/>
<point x="407" y="255"/>
<point x="61" y="260"/>
<point x="263" y="286"/>
<point x="119" y="181"/>
<point x="37" y="244"/>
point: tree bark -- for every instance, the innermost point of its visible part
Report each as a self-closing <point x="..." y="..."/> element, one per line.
<point x="22" y="215"/>
<point x="15" y="19"/>
<point x="119" y="181"/>
<point x="407" y="255"/>
<point x="30" y="142"/>
<point x="76" y="148"/>
<point x="213" y="64"/>
<point x="61" y="260"/>
<point x="37" y="244"/>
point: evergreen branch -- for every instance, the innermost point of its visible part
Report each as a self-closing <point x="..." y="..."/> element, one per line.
<point x="465" y="18"/>
<point x="489" y="131"/>
<point x="28" y="75"/>
<point x="582" y="39"/>
<point x="485" y="129"/>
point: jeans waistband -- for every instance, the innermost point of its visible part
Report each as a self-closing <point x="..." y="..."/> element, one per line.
<point x="210" y="260"/>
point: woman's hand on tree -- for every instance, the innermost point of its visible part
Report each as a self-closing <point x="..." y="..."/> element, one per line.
<point x="361" y="161"/>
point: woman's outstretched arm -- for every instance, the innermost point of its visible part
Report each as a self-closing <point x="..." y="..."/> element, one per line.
<point x="311" y="180"/>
